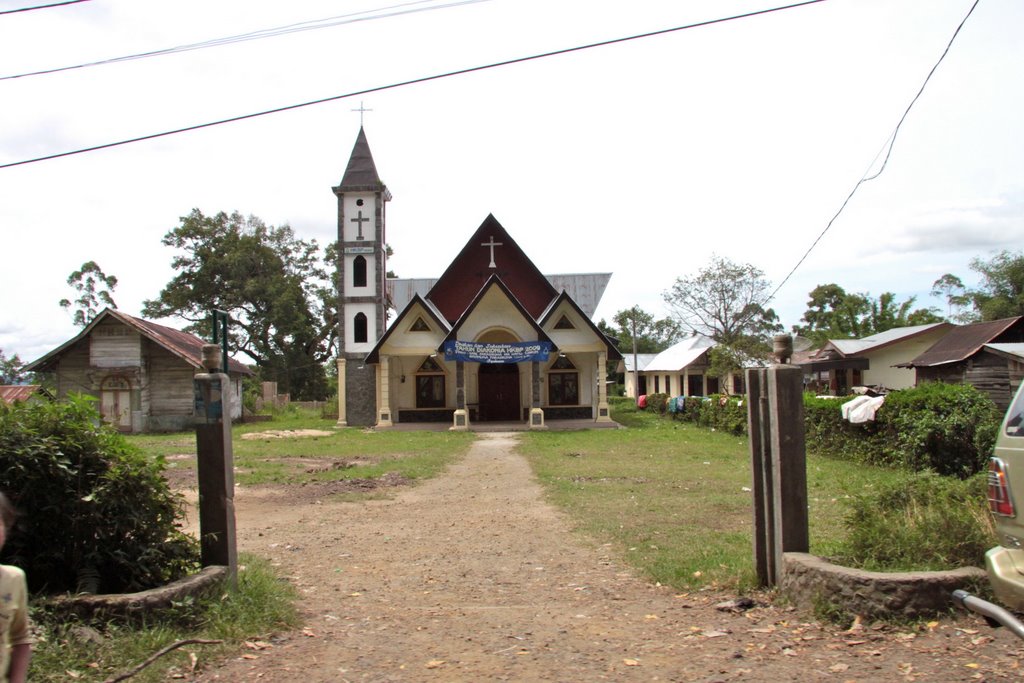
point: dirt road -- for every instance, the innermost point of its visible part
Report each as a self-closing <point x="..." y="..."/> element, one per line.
<point x="473" y="577"/>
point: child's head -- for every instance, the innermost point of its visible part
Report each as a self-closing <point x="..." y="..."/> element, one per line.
<point x="7" y="516"/>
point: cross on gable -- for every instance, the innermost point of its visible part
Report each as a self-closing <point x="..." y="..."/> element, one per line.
<point x="492" y="244"/>
<point x="359" y="220"/>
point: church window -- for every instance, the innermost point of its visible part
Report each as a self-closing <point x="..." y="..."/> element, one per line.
<point x="359" y="329"/>
<point x="419" y="326"/>
<point x="430" y="385"/>
<point x="564" y="324"/>
<point x="563" y="383"/>
<point x="359" y="271"/>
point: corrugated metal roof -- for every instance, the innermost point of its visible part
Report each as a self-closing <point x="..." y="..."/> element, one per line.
<point x="963" y="342"/>
<point x="680" y="355"/>
<point x="586" y="289"/>
<point x="1016" y="350"/>
<point x="849" y="347"/>
<point x="9" y="393"/>
<point x="186" y="346"/>
<point x="642" y="359"/>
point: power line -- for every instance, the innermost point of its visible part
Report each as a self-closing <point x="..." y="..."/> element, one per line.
<point x="29" y="9"/>
<point x="309" y="25"/>
<point x="886" y="147"/>
<point x="414" y="81"/>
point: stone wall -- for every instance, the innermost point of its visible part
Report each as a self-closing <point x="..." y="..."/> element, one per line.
<point x="811" y="582"/>
<point x="360" y="394"/>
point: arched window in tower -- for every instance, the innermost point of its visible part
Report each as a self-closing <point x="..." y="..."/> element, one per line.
<point x="359" y="271"/>
<point x="359" y="333"/>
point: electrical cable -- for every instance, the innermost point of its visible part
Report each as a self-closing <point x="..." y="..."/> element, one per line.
<point x="309" y="25"/>
<point x="886" y="147"/>
<point x="413" y="81"/>
<point x="29" y="9"/>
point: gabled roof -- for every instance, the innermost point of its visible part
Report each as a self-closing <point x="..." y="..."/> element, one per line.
<point x="361" y="172"/>
<point x="852" y="347"/>
<point x="471" y="270"/>
<point x="680" y="355"/>
<point x="613" y="352"/>
<point x="964" y="341"/>
<point x="495" y="282"/>
<point x="185" y="346"/>
<point x="642" y="359"/>
<point x="10" y="393"/>
<point x="1012" y="351"/>
<point x="374" y="355"/>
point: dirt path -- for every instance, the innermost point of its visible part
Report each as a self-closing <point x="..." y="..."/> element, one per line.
<point x="473" y="577"/>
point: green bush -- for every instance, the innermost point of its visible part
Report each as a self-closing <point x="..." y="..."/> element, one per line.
<point x="95" y="514"/>
<point x="719" y="412"/>
<point x="948" y="428"/>
<point x="921" y="522"/>
<point x="827" y="433"/>
<point x="657" y="403"/>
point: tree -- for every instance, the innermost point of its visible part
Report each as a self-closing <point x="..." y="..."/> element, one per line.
<point x="652" y="336"/>
<point x="952" y="288"/>
<point x="832" y="313"/>
<point x="283" y="305"/>
<point x="725" y="301"/>
<point x="94" y="287"/>
<point x="11" y="369"/>
<point x="1000" y="293"/>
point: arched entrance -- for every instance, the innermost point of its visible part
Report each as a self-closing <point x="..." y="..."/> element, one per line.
<point x="499" y="392"/>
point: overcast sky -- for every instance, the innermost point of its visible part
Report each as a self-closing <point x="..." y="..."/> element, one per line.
<point x="643" y="158"/>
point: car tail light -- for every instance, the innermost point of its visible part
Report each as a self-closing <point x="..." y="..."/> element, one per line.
<point x="1000" y="500"/>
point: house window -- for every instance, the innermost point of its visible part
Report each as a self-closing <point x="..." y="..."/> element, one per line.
<point x="696" y="385"/>
<point x="657" y="384"/>
<point x="359" y="271"/>
<point x="668" y="384"/>
<point x="712" y="385"/>
<point x="359" y="333"/>
<point x="563" y="383"/>
<point x="738" y="386"/>
<point x="430" y="385"/>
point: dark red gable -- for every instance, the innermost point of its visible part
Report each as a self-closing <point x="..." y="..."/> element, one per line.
<point x="470" y="270"/>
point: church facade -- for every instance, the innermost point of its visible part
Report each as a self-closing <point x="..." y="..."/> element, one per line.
<point x="490" y="340"/>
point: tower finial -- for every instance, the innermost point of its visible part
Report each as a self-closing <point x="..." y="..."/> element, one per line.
<point x="361" y="111"/>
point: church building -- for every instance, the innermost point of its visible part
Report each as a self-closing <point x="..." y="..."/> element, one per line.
<point x="490" y="340"/>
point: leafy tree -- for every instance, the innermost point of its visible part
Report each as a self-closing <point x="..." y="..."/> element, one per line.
<point x="282" y="303"/>
<point x="94" y="287"/>
<point x="725" y="301"/>
<point x="11" y="369"/>
<point x="952" y="288"/>
<point x="1000" y="293"/>
<point x="832" y="313"/>
<point x="652" y="336"/>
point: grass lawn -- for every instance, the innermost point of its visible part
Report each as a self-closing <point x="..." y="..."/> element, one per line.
<point x="674" y="499"/>
<point x="338" y="454"/>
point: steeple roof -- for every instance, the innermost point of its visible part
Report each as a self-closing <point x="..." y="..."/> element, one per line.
<point x="361" y="173"/>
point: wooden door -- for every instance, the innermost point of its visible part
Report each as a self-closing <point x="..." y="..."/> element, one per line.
<point x="116" y="403"/>
<point x="499" y="393"/>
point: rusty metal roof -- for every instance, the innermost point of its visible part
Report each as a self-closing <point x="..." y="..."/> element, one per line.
<point x="185" y="346"/>
<point x="964" y="341"/>
<point x="9" y="393"/>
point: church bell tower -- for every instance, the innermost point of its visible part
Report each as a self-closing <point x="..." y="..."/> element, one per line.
<point x="362" y="278"/>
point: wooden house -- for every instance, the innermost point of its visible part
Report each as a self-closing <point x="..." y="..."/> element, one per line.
<point x="988" y="355"/>
<point x="140" y="372"/>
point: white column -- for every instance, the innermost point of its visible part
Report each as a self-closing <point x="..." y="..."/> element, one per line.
<point x="384" y="406"/>
<point x="341" y="393"/>
<point x="603" y="414"/>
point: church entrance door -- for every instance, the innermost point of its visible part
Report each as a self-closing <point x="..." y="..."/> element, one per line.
<point x="499" y="393"/>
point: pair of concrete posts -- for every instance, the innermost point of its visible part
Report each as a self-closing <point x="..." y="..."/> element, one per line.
<point x="215" y="464"/>
<point x="775" y="421"/>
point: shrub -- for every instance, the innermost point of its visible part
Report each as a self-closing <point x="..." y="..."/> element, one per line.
<point x="948" y="428"/>
<point x="923" y="521"/>
<point x="719" y="412"/>
<point x="657" y="402"/>
<point x="95" y="514"/>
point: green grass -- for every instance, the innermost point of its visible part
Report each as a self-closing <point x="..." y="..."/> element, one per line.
<point x="260" y="606"/>
<point x="348" y="453"/>
<point x="670" y="496"/>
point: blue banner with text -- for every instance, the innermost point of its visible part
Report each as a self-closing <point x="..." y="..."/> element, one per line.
<point x="505" y="352"/>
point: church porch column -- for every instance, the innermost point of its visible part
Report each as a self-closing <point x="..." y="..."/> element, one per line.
<point x="536" y="413"/>
<point x="342" y="422"/>
<point x="460" y="420"/>
<point x="384" y="409"/>
<point x="603" y="414"/>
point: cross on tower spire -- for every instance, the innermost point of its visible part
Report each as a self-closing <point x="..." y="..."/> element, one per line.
<point x="361" y="111"/>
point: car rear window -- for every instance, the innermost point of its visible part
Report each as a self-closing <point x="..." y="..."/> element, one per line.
<point x="1015" y="416"/>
